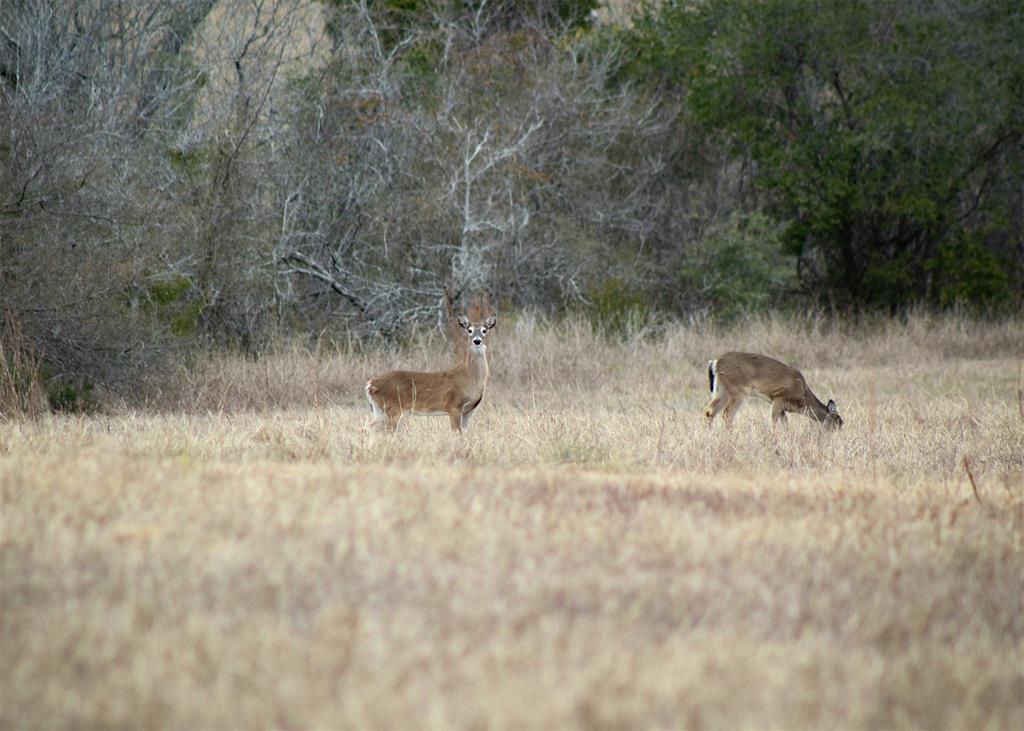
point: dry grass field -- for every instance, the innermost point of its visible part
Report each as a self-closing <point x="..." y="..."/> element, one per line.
<point x="250" y="554"/>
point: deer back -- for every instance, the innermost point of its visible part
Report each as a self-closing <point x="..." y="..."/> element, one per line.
<point x="415" y="390"/>
<point x="752" y="372"/>
<point x="438" y="391"/>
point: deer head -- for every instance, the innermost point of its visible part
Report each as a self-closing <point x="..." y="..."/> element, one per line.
<point x="477" y="332"/>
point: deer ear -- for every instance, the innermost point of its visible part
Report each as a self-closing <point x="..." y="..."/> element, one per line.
<point x="490" y="322"/>
<point x="832" y="408"/>
<point x="464" y="322"/>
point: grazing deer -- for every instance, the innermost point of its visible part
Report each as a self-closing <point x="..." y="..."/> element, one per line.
<point x="455" y="392"/>
<point x="734" y="376"/>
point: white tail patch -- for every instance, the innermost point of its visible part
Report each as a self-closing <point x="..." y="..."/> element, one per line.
<point x="378" y="414"/>
<point x="713" y="376"/>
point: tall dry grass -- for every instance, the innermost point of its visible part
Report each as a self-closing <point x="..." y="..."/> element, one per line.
<point x="249" y="553"/>
<point x="22" y="395"/>
<point x="567" y="356"/>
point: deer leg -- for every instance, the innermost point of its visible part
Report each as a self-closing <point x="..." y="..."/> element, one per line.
<point x="378" y="418"/>
<point x="778" y="411"/>
<point x="455" y="416"/>
<point x="715" y="406"/>
<point x="384" y="419"/>
<point x="392" y="415"/>
<point x="730" y="410"/>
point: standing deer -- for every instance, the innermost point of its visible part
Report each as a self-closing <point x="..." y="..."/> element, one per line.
<point x="734" y="376"/>
<point x="455" y="392"/>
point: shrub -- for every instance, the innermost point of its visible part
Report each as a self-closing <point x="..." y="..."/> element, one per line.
<point x="617" y="307"/>
<point x="738" y="267"/>
<point x="71" y="398"/>
<point x="966" y="273"/>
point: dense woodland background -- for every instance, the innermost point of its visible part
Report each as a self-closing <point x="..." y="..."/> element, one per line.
<point x="191" y="175"/>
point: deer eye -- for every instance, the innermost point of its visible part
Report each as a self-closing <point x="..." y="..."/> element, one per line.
<point x="483" y="331"/>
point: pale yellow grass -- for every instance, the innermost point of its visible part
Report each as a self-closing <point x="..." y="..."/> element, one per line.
<point x="589" y="555"/>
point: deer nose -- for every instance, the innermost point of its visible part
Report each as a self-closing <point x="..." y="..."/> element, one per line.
<point x="477" y="341"/>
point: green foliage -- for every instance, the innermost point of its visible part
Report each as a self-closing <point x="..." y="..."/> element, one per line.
<point x="186" y="322"/>
<point x="69" y="398"/>
<point x="421" y="62"/>
<point x="168" y="291"/>
<point x="176" y="304"/>
<point x="618" y="308"/>
<point x="889" y="281"/>
<point x="738" y="267"/>
<point x="190" y="161"/>
<point x="879" y="130"/>
<point x="968" y="274"/>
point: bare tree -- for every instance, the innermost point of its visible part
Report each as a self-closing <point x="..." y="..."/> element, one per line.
<point x="202" y="173"/>
<point x="502" y="179"/>
<point x="131" y="196"/>
<point x="81" y="87"/>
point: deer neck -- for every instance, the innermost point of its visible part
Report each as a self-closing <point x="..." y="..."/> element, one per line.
<point x="814" y="407"/>
<point x="476" y="366"/>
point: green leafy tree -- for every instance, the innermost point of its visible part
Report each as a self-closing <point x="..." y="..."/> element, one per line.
<point x="738" y="268"/>
<point x="882" y="133"/>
